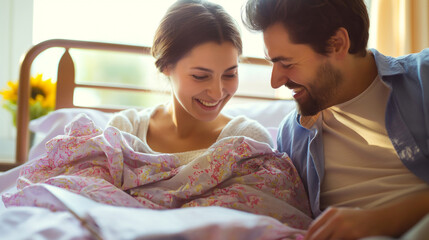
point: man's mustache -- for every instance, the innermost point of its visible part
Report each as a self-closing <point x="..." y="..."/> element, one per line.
<point x="291" y="84"/>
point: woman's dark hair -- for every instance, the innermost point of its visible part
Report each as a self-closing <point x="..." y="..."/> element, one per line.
<point x="189" y="23"/>
<point x="312" y="22"/>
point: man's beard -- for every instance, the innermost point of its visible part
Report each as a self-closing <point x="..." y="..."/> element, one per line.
<point x="321" y="90"/>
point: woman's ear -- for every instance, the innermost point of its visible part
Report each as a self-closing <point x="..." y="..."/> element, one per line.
<point x="166" y="71"/>
<point x="339" y="44"/>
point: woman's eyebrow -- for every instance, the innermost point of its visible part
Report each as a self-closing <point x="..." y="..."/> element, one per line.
<point x="230" y="68"/>
<point x="211" y="71"/>
<point x="203" y="69"/>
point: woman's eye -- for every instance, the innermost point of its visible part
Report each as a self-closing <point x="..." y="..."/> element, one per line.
<point x="230" y="75"/>
<point x="197" y="77"/>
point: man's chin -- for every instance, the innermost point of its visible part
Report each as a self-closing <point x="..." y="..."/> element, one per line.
<point x="307" y="110"/>
<point x="307" y="114"/>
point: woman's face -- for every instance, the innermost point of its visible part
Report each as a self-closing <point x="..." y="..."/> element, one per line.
<point x="205" y="79"/>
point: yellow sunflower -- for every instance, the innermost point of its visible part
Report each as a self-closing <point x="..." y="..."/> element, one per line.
<point x="12" y="93"/>
<point x="42" y="97"/>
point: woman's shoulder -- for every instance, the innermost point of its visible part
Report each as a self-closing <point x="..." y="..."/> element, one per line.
<point x="129" y="119"/>
<point x="244" y="126"/>
<point x="242" y="121"/>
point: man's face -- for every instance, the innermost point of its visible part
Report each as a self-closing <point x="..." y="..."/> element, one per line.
<point x="312" y="78"/>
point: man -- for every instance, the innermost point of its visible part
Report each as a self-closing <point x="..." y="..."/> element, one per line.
<point x="360" y="135"/>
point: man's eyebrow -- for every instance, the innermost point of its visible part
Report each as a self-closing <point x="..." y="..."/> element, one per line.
<point x="276" y="59"/>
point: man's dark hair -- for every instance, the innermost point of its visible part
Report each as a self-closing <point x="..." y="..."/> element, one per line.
<point x="312" y="22"/>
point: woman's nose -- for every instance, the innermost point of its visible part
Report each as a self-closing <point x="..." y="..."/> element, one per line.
<point x="215" y="90"/>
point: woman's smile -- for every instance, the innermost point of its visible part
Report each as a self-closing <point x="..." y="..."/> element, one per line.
<point x="207" y="105"/>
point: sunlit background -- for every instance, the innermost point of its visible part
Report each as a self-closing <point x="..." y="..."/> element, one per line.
<point x="128" y="22"/>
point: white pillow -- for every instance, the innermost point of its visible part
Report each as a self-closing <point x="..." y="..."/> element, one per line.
<point x="269" y="113"/>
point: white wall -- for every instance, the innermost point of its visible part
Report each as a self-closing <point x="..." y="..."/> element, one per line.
<point x="16" y="24"/>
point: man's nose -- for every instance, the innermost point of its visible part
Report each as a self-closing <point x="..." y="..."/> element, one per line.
<point x="278" y="79"/>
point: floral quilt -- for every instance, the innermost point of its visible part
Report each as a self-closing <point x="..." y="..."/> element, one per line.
<point x="107" y="167"/>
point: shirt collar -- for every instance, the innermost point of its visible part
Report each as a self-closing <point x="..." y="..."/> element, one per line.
<point x="307" y="121"/>
<point x="386" y="65"/>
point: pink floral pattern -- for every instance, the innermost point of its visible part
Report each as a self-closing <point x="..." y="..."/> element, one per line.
<point x="236" y="172"/>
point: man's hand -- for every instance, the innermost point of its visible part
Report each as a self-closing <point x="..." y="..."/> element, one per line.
<point x="346" y="223"/>
<point x="392" y="219"/>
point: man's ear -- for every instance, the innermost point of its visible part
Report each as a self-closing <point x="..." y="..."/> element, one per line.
<point x="339" y="44"/>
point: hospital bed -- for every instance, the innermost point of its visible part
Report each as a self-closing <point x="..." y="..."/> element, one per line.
<point x="46" y="211"/>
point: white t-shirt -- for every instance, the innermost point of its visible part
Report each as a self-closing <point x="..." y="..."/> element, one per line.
<point x="137" y="123"/>
<point x="362" y="168"/>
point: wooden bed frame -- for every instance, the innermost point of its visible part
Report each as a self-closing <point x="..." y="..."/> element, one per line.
<point x="66" y="85"/>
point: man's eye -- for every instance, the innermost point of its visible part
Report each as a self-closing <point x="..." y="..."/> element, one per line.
<point x="286" y="65"/>
<point x="199" y="77"/>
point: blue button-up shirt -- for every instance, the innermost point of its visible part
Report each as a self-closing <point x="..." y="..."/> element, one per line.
<point x="407" y="124"/>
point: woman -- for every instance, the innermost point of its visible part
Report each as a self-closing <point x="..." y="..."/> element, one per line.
<point x="197" y="46"/>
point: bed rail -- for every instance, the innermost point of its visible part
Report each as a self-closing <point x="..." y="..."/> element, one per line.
<point x="66" y="84"/>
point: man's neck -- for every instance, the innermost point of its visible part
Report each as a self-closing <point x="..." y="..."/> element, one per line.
<point x="359" y="73"/>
